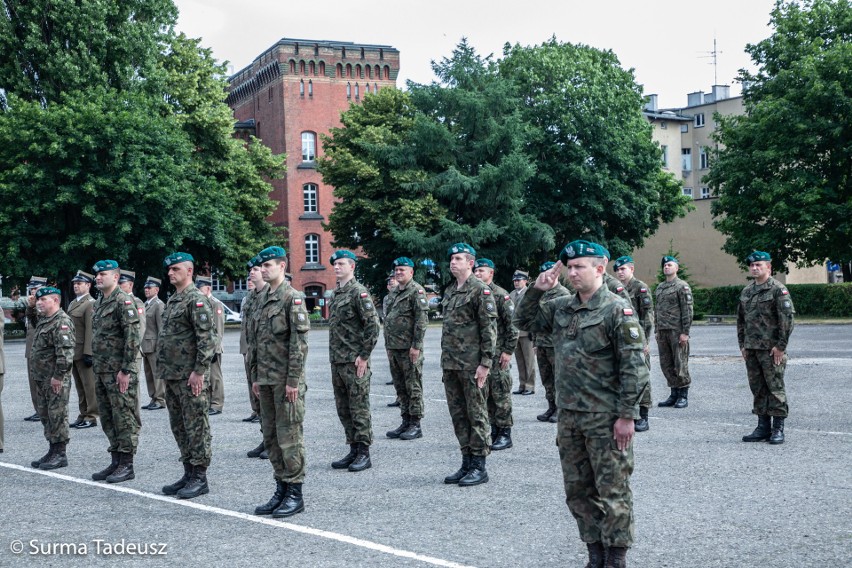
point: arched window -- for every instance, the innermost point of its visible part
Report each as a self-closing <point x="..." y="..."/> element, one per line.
<point x="357" y="91"/>
<point x="301" y="88"/>
<point x="302" y="67"/>
<point x="369" y="71"/>
<point x="322" y="68"/>
<point x="313" y="68"/>
<point x="309" y="193"/>
<point x="340" y="70"/>
<point x="293" y="66"/>
<point x="348" y="69"/>
<point x="378" y="72"/>
<point x="387" y="72"/>
<point x="309" y="146"/>
<point x="310" y="88"/>
<point x="358" y="71"/>
<point x="312" y="249"/>
<point x="348" y="90"/>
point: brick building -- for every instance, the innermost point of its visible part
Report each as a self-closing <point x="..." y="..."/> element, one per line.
<point x="291" y="94"/>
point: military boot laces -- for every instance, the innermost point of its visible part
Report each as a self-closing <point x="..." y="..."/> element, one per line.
<point x="107" y="471"/>
<point x="762" y="432"/>
<point x="346" y="460"/>
<point x="413" y="431"/>
<point x="671" y="400"/>
<point x="180" y="483"/>
<point x="362" y="459"/>
<point x="292" y="504"/>
<point x="777" y="436"/>
<point x="57" y="459"/>
<point x="597" y="556"/>
<point x="397" y="432"/>
<point x="124" y="471"/>
<point x="275" y="501"/>
<point x="477" y="474"/>
<point x="197" y="484"/>
<point x="457" y="476"/>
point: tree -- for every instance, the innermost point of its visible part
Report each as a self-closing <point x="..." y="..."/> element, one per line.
<point x="782" y="173"/>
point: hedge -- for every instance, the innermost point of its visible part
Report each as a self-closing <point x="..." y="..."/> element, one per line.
<point x="815" y="300"/>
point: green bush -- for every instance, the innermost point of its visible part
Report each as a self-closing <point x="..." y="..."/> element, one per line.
<point x="14" y="331"/>
<point x="814" y="300"/>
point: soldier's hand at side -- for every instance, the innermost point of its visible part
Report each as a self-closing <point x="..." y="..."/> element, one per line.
<point x="683" y="339"/>
<point x="414" y="354"/>
<point x="481" y="375"/>
<point x="255" y="390"/>
<point x="743" y="352"/>
<point x="291" y="393"/>
<point x="647" y="349"/>
<point x="548" y="279"/>
<point x="195" y="383"/>
<point x="623" y="431"/>
<point x="55" y="385"/>
<point x="360" y="367"/>
<point x="777" y="356"/>
<point x="505" y="359"/>
<point x="122" y="379"/>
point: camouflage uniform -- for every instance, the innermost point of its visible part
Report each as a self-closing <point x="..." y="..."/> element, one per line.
<point x="499" y="396"/>
<point x="353" y="326"/>
<point x="185" y="345"/>
<point x="765" y="320"/>
<point x="115" y="347"/>
<point x="673" y="317"/>
<point x="52" y="357"/>
<point x="216" y="384"/>
<point x="2" y="373"/>
<point x="80" y="310"/>
<point x="643" y="305"/>
<point x="616" y="287"/>
<point x="468" y="340"/>
<point x="544" y="348"/>
<point x="405" y="326"/>
<point x="246" y="311"/>
<point x="277" y="349"/>
<point x="600" y="377"/>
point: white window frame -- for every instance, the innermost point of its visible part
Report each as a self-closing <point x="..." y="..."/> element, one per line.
<point x="312" y="249"/>
<point x="688" y="191"/>
<point x="703" y="158"/>
<point x="309" y="146"/>
<point x="310" y="196"/>
<point x="705" y="193"/>
<point x="686" y="159"/>
<point x="699" y="120"/>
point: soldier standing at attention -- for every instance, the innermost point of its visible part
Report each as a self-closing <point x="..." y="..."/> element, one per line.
<point x="80" y="310"/>
<point x="245" y="317"/>
<point x="524" y="352"/>
<point x="216" y="384"/>
<point x="353" y="326"/>
<point x="185" y="348"/>
<point x="31" y="321"/>
<point x="51" y="360"/>
<point x="643" y="305"/>
<point x="673" y="318"/>
<point x="116" y="335"/>
<point x="764" y="323"/>
<point x="468" y="347"/>
<point x="545" y="354"/>
<point x="278" y="348"/>
<point x="406" y="319"/>
<point x="154" y="307"/>
<point x="2" y="373"/>
<point x="600" y="377"/>
<point x="499" y="399"/>
<point x="126" y="280"/>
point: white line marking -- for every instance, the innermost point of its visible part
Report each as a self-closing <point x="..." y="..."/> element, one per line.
<point x="380" y="395"/>
<point x="252" y="518"/>
<point x="744" y="426"/>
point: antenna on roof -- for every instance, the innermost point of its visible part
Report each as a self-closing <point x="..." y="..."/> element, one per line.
<point x="714" y="55"/>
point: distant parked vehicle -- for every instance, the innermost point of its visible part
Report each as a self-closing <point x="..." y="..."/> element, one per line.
<point x="231" y="315"/>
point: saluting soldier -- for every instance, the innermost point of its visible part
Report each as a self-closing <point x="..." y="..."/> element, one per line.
<point x="31" y="321"/>
<point x="545" y="354"/>
<point x="524" y="352"/>
<point x="673" y="318"/>
<point x="154" y="307"/>
<point x="353" y="326"/>
<point x="51" y="360"/>
<point x="80" y="310"/>
<point x="764" y="324"/>
<point x="406" y="319"/>
<point x="216" y="384"/>
<point x="468" y="347"/>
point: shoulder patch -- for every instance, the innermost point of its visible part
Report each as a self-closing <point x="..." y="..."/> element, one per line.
<point x="643" y="290"/>
<point x="140" y="310"/>
<point x="364" y="294"/>
<point x="297" y="301"/>
<point x="487" y="292"/>
<point x="620" y="289"/>
<point x="506" y="298"/>
<point x="784" y="291"/>
<point x="199" y="304"/>
<point x="628" y="311"/>
<point x="127" y="302"/>
<point x="421" y="291"/>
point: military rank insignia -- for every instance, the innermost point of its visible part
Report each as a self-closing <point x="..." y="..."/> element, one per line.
<point x="203" y="317"/>
<point x="130" y="312"/>
<point x="300" y="317"/>
<point x="489" y="306"/>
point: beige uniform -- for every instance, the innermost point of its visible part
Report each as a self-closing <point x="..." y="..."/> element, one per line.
<point x="80" y="311"/>
<point x="153" y="323"/>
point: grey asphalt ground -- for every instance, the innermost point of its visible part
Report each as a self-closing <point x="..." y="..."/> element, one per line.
<point x="701" y="496"/>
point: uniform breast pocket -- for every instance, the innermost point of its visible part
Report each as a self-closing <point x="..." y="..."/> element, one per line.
<point x="174" y="318"/>
<point x="278" y="322"/>
<point x="462" y="311"/>
<point x="594" y="337"/>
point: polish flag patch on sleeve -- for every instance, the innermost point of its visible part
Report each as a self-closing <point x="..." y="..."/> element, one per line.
<point x="643" y="290"/>
<point x="620" y="289"/>
<point x="199" y="304"/>
<point x="128" y="302"/>
<point x="784" y="291"/>
<point x="297" y="302"/>
<point x="140" y="310"/>
<point x="506" y="298"/>
<point x="364" y="294"/>
<point x="487" y="292"/>
<point x="63" y="327"/>
<point x="219" y="310"/>
<point x="628" y="311"/>
<point x="421" y="292"/>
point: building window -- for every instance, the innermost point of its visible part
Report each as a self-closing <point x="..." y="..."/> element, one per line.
<point x="348" y="90"/>
<point x="310" y="88"/>
<point x="664" y="125"/>
<point x="313" y="68"/>
<point x="340" y="70"/>
<point x="362" y="53"/>
<point x="309" y="146"/>
<point x="686" y="159"/>
<point x="309" y="191"/>
<point x="217" y="285"/>
<point x="699" y="120"/>
<point x="301" y="67"/>
<point x="322" y="68"/>
<point x="665" y="158"/>
<point x="684" y="127"/>
<point x="705" y="193"/>
<point x="312" y="249"/>
<point x="381" y="53"/>
<point x="301" y="88"/>
<point x="703" y="158"/>
<point x="271" y="89"/>
<point x="240" y="285"/>
<point x="387" y="72"/>
<point x="687" y="191"/>
<point x="357" y="91"/>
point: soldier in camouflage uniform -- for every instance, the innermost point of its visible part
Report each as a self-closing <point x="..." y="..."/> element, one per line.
<point x="468" y="348"/>
<point x="256" y="285"/>
<point x="51" y="359"/>
<point x="126" y="281"/>
<point x="116" y="335"/>
<point x="643" y="305"/>
<point x="277" y="350"/>
<point x="185" y="349"/>
<point x="31" y="322"/>
<point x="545" y="355"/>
<point x="216" y="382"/>
<point x="600" y="377"/>
<point x="405" y="326"/>
<point x="353" y="326"/>
<point x="764" y="323"/>
<point x="673" y="318"/>
<point x="499" y="397"/>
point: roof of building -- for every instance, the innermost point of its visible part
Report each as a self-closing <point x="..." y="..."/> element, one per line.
<point x="667" y="115"/>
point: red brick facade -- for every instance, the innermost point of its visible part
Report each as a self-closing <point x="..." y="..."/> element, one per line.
<point x="300" y="87"/>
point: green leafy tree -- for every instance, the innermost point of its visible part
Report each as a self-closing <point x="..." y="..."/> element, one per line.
<point x="682" y="270"/>
<point x="783" y="171"/>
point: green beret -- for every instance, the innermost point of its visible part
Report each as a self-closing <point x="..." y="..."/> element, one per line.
<point x="152" y="282"/>
<point x="203" y="281"/>
<point x="343" y="254"/>
<point x="520" y="275"/>
<point x="83" y="277"/>
<point x="461" y="248"/>
<point x="403" y="261"/>
<point x="579" y="249"/>
<point x="177" y="257"/>
<point x="486" y="262"/>
<point x="669" y="259"/>
<point x="757" y="256"/>
<point x="102" y="265"/>
<point x="45" y="290"/>
<point x="547" y="266"/>
<point x="622" y="260"/>
<point x="270" y="253"/>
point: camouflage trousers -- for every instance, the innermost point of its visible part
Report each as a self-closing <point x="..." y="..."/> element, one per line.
<point x="84" y="382"/>
<point x="546" y="357"/>
<point x="468" y="411"/>
<point x="119" y="412"/>
<point x="674" y="358"/>
<point x="766" y="380"/>
<point x="596" y="476"/>
<point x="156" y="387"/>
<point x="352" y="397"/>
<point x="525" y="358"/>
<point x="189" y="422"/>
<point x="254" y="402"/>
<point x="32" y="383"/>
<point x="283" y="436"/>
<point x="216" y="384"/>
<point x="53" y="410"/>
<point x="407" y="381"/>
<point x="499" y="396"/>
<point x="645" y="401"/>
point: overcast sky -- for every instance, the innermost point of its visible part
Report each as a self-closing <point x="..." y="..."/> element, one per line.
<point x="666" y="42"/>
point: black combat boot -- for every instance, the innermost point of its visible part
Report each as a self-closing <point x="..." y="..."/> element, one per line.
<point x="762" y="432"/>
<point x="597" y="555"/>
<point x="671" y="400"/>
<point x="362" y="458"/>
<point x="124" y="471"/>
<point x="551" y="410"/>
<point x="197" y="484"/>
<point x="275" y="502"/>
<point x="58" y="458"/>
<point x="346" y="460"/>
<point x="180" y="483"/>
<point x="292" y="504"/>
<point x="642" y="425"/>
<point x="413" y="432"/>
<point x="104" y="473"/>
<point x="777" y="436"/>
<point x="465" y="467"/>
<point x="682" y="398"/>
<point x="397" y="432"/>
<point x="43" y="458"/>
<point x="616" y="557"/>
<point x="476" y="474"/>
<point x="504" y="439"/>
<point x="255" y="453"/>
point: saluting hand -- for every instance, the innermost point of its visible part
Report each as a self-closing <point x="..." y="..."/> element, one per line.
<point x="548" y="279"/>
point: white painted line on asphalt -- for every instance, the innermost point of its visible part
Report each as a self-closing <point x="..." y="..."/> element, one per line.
<point x="745" y="426"/>
<point x="380" y="395"/>
<point x="346" y="539"/>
